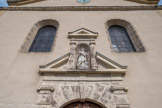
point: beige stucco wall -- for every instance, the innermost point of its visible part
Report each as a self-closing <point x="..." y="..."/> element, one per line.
<point x="19" y="71"/>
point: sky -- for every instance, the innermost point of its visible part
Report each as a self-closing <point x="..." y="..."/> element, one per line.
<point x="3" y="3"/>
<point x="160" y="3"/>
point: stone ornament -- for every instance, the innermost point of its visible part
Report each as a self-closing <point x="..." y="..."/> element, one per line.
<point x="72" y="56"/>
<point x="82" y="53"/>
<point x="93" y="59"/>
<point x="82" y="57"/>
<point x="45" y="89"/>
<point x="119" y="88"/>
<point x="82" y="62"/>
<point x="45" y="95"/>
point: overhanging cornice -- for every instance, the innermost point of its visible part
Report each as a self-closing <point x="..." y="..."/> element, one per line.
<point x="110" y="71"/>
<point x="22" y="2"/>
<point x="144" y="1"/>
<point x="83" y="8"/>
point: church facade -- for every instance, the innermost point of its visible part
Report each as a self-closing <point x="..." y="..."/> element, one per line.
<point x="81" y="54"/>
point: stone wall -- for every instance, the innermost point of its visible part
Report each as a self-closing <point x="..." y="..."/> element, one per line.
<point x="97" y="91"/>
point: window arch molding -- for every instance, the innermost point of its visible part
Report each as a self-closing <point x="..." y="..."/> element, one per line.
<point x="33" y="32"/>
<point x="130" y="30"/>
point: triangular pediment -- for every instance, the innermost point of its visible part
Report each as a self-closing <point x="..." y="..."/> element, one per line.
<point x="105" y="65"/>
<point x="82" y="33"/>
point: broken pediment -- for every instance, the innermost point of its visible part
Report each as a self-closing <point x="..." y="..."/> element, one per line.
<point x="82" y="33"/>
<point x="104" y="65"/>
<point x="59" y="63"/>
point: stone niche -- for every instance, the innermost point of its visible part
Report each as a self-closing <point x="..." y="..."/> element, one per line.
<point x="82" y="75"/>
<point x="82" y="53"/>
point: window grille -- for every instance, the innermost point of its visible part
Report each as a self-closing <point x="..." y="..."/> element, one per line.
<point x="43" y="40"/>
<point x="120" y="39"/>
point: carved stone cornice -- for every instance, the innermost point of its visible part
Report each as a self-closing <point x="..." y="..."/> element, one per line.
<point x="83" y="8"/>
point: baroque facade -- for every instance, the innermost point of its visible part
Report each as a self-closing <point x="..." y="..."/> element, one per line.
<point x="81" y="54"/>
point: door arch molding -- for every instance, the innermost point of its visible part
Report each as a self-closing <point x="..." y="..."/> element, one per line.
<point x="90" y="101"/>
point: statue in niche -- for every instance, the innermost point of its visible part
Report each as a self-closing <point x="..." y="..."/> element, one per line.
<point x="82" y="61"/>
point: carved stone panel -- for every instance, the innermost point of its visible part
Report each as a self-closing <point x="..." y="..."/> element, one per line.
<point x="82" y="91"/>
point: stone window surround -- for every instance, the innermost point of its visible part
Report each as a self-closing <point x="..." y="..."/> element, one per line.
<point x="29" y="39"/>
<point x="131" y="32"/>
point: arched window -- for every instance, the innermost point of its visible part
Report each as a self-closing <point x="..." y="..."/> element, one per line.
<point x="44" y="39"/>
<point x="120" y="39"/>
<point x="133" y="43"/>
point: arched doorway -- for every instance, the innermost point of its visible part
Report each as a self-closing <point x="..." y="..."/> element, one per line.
<point x="82" y="105"/>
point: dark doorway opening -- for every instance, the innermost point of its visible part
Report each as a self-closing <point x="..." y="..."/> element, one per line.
<point x="82" y="105"/>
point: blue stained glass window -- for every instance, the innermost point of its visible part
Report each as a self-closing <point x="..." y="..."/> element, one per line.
<point x="120" y="39"/>
<point x="43" y="40"/>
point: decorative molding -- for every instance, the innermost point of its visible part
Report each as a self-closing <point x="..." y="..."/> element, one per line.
<point x="118" y="88"/>
<point x="82" y="33"/>
<point x="104" y="71"/>
<point x="60" y="65"/>
<point x="45" y="95"/>
<point x="45" y="88"/>
<point x="56" y="62"/>
<point x="83" y="8"/>
<point x="122" y="106"/>
<point x="117" y="65"/>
